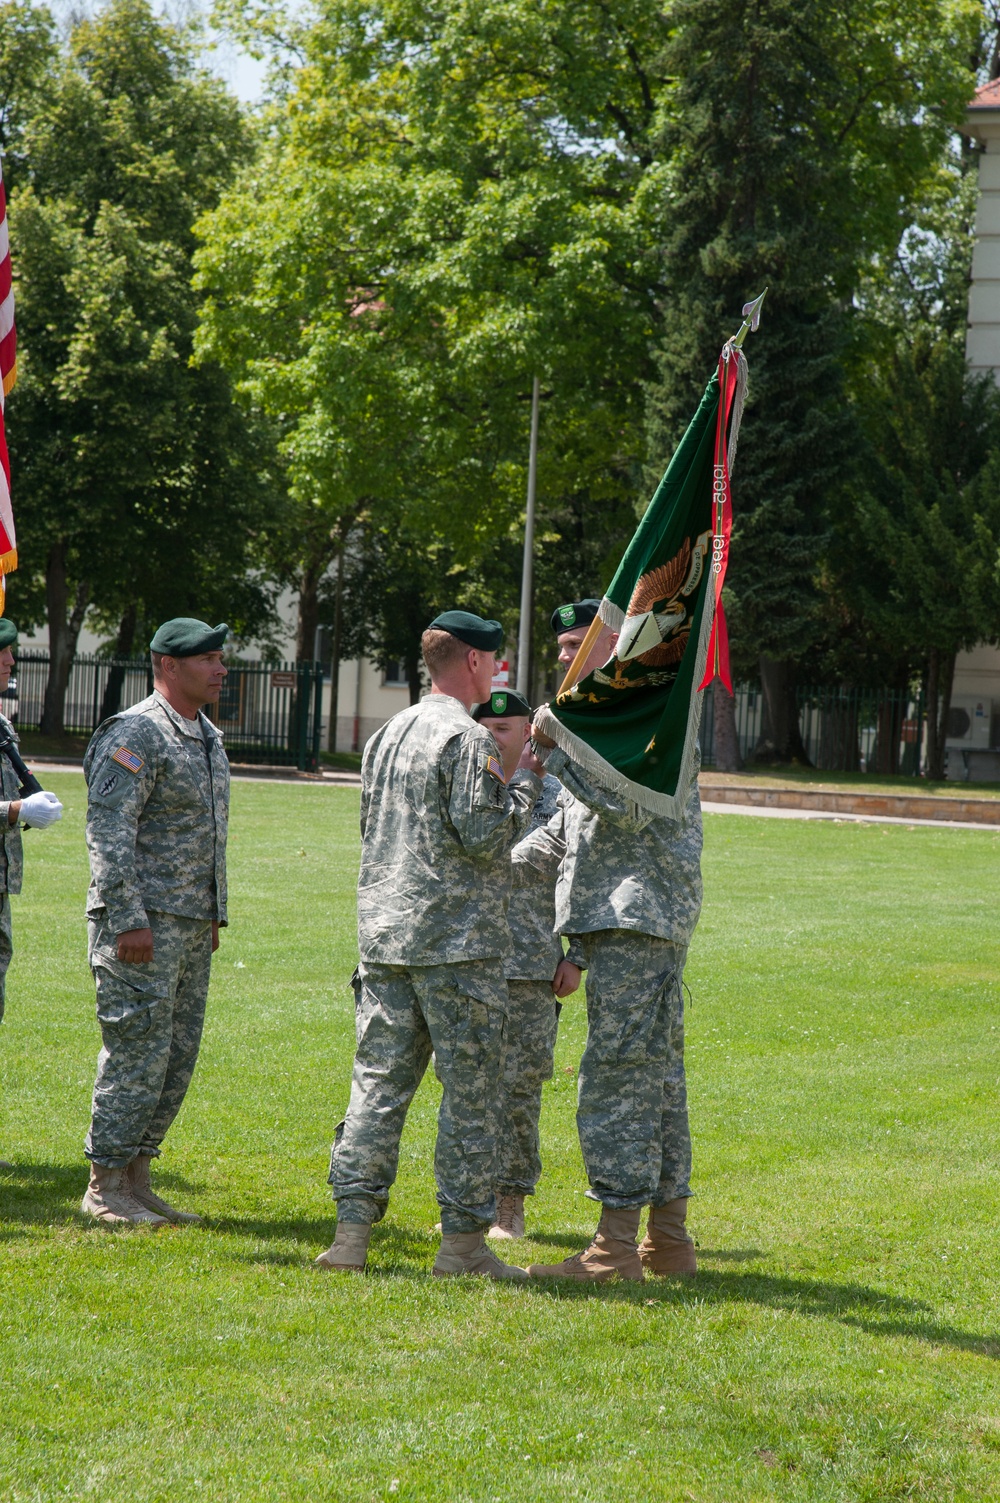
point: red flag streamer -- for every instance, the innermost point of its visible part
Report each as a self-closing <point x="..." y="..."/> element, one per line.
<point x="8" y="374"/>
<point x="717" y="664"/>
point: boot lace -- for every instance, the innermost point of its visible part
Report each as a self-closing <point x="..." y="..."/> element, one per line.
<point x="506" y="1211"/>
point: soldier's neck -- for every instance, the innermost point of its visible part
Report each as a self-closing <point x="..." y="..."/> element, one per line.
<point x="462" y="692"/>
<point x="177" y="701"/>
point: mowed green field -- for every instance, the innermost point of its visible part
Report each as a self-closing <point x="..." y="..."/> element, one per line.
<point x="842" y="1340"/>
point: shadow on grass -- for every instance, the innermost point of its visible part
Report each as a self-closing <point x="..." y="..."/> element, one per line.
<point x="732" y="1255"/>
<point x="49" y="1194"/>
<point x="871" y="1310"/>
<point x="41" y="1194"/>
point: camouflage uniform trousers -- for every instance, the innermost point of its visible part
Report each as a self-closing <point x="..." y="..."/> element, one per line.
<point x="6" y="946"/>
<point x="404" y="1014"/>
<point x="151" y="1019"/>
<point x="632" y="1113"/>
<point x="528" y="1062"/>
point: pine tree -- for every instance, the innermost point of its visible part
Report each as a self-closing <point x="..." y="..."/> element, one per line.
<point x="791" y="137"/>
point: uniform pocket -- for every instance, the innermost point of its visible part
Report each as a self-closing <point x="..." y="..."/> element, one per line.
<point x="124" y="1005"/>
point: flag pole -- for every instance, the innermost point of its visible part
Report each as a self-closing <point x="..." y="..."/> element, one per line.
<point x="524" y="624"/>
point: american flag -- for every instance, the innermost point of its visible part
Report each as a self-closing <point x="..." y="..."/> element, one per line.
<point x="8" y="374"/>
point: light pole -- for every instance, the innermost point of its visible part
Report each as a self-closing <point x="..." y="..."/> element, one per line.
<point x="524" y="625"/>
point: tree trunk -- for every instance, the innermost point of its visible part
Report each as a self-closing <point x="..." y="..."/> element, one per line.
<point x="305" y="637"/>
<point x="338" y="622"/>
<point x="940" y="677"/>
<point x="63" y="633"/>
<point x="838" y="732"/>
<point x="112" y="701"/>
<point x="780" y="737"/>
<point x="726" y="753"/>
<point x="415" y="683"/>
<point x="890" y="715"/>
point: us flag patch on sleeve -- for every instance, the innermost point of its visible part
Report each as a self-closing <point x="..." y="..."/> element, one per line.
<point x="128" y="759"/>
<point x="493" y="766"/>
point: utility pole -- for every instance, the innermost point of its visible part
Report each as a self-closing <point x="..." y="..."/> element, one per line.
<point x="524" y="626"/>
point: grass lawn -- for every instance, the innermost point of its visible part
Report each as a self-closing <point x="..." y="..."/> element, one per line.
<point x="842" y="1340"/>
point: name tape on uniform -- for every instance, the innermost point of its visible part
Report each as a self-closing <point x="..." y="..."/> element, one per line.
<point x="128" y="759"/>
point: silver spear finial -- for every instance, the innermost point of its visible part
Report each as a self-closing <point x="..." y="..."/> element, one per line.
<point x="751" y="318"/>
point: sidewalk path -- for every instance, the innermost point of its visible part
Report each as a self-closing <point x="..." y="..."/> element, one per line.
<point x="760" y="811"/>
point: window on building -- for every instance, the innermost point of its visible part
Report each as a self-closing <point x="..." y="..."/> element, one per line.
<point x="394" y="676"/>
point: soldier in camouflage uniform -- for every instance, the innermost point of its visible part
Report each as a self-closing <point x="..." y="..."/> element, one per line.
<point x="629" y="891"/>
<point x="39" y="810"/>
<point x="437" y="822"/>
<point x="537" y="975"/>
<point x="158" y="781"/>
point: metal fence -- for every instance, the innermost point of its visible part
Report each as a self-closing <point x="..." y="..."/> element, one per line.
<point x="268" y="712"/>
<point x="843" y="730"/>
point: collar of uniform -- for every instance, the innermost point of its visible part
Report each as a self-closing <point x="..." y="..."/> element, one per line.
<point x="447" y="699"/>
<point x="182" y="724"/>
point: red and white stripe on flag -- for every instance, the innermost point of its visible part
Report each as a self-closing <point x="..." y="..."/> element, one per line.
<point x="8" y="374"/>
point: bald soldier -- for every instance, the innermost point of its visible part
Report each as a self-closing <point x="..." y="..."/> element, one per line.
<point x="629" y="895"/>
<point x="38" y="810"/>
<point x="157" y="819"/>
<point x="438" y="818"/>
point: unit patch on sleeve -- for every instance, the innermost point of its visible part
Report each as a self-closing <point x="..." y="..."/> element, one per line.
<point x="128" y="759"/>
<point x="108" y="785"/>
<point x="493" y="766"/>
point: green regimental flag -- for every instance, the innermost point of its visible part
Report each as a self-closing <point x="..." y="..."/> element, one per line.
<point x="634" y="721"/>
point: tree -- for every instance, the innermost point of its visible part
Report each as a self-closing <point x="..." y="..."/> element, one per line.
<point x="139" y="486"/>
<point x="450" y="202"/>
<point x="800" y="137"/>
<point x="910" y="574"/>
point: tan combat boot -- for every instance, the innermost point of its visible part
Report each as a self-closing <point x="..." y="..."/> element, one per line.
<point x="108" y="1200"/>
<point x="510" y="1218"/>
<point x="611" y="1255"/>
<point x="466" y="1252"/>
<point x="137" y="1175"/>
<point x="348" y="1252"/>
<point x="667" y="1249"/>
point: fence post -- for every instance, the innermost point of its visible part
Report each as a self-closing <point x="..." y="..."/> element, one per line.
<point x="317" y="714"/>
<point x="302" y="716"/>
<point x="920" y="731"/>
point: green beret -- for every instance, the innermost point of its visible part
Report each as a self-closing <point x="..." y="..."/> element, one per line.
<point x="8" y="633"/>
<point x="183" y="637"/>
<point x="501" y="703"/>
<point x="486" y="635"/>
<point x="576" y="613"/>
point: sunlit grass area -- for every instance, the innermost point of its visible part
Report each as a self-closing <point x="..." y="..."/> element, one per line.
<point x="842" y="1340"/>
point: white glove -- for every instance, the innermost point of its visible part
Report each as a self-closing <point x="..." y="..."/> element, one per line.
<point x="40" y="810"/>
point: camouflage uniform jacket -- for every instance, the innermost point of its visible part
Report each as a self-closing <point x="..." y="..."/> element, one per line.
<point x="437" y="823"/>
<point x="624" y="867"/>
<point x="157" y="817"/>
<point x="535" y="861"/>
<point x="11" y="849"/>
